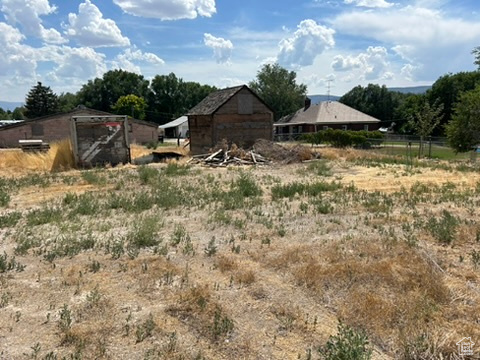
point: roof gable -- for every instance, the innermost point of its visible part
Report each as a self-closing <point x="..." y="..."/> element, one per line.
<point x="217" y="99"/>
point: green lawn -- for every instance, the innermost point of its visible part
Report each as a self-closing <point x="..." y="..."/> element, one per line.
<point x="438" y="152"/>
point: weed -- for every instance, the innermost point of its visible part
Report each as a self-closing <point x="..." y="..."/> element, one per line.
<point x="9" y="264"/>
<point x="211" y="248"/>
<point x="10" y="219"/>
<point x="94" y="177"/>
<point x="144" y="233"/>
<point x="346" y="345"/>
<point x="147" y="174"/>
<point x="44" y="216"/>
<point x="443" y="229"/>
<point x="174" y="169"/>
<point x="179" y="234"/>
<point x="320" y="168"/>
<point x="222" y="324"/>
<point x="65" y="322"/>
<point x="145" y="329"/>
<point x="94" y="266"/>
<point x="4" y="198"/>
<point x="475" y="258"/>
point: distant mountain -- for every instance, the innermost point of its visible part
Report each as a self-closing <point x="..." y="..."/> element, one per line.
<point x="317" y="99"/>
<point x="411" y="89"/>
<point x="9" y="105"/>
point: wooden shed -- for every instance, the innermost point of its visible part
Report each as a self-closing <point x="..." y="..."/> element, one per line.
<point x="235" y="114"/>
<point x="57" y="127"/>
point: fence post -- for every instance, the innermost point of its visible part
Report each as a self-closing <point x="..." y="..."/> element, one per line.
<point x="430" y="147"/>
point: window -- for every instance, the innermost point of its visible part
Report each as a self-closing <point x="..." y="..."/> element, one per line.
<point x="365" y="127"/>
<point x="344" y="127"/>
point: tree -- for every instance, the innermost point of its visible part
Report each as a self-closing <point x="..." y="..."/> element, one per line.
<point x="447" y="90"/>
<point x="67" y="102"/>
<point x="425" y="121"/>
<point x="279" y="89"/>
<point x="40" y="101"/>
<point x="463" y="131"/>
<point x="171" y="97"/>
<point x="374" y="100"/>
<point x="17" y="113"/>
<point x="131" y="105"/>
<point x="102" y="94"/>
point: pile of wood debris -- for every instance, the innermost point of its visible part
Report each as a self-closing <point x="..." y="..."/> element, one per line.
<point x="263" y="152"/>
<point x="231" y="156"/>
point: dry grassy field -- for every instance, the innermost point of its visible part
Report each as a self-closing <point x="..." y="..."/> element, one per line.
<point x="352" y="256"/>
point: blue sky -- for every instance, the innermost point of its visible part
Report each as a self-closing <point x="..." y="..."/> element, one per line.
<point x="345" y="43"/>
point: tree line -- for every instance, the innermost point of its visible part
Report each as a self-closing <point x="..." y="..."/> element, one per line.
<point x="449" y="108"/>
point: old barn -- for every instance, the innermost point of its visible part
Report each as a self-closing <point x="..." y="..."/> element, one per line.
<point x="57" y="127"/>
<point x="235" y="114"/>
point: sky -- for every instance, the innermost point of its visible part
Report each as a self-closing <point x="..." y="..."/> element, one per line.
<point x="332" y="45"/>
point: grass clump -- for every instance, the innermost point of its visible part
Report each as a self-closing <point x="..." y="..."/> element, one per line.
<point x="444" y="228"/>
<point x="298" y="188"/>
<point x="10" y="219"/>
<point x="348" y="344"/>
<point x="144" y="233"/>
<point x="44" y="216"/>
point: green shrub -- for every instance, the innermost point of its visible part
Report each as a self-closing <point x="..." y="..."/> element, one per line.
<point x="10" y="219"/>
<point x="348" y="344"/>
<point x="4" y="198"/>
<point x="345" y="138"/>
<point x="444" y="228"/>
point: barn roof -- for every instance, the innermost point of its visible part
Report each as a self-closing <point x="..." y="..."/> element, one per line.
<point x="80" y="110"/>
<point x="327" y="112"/>
<point x="215" y="100"/>
<point x="174" y="123"/>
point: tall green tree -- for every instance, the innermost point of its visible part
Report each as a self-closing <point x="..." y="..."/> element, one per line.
<point x="67" y="102"/>
<point x="18" y="113"/>
<point x="279" y="89"/>
<point x="131" y="105"/>
<point x="463" y="130"/>
<point x="102" y="94"/>
<point x="374" y="100"/>
<point x="40" y="101"/>
<point x="425" y="121"/>
<point x="447" y="90"/>
<point x="171" y="97"/>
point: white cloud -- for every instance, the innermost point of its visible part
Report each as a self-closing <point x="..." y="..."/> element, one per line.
<point x="420" y="36"/>
<point x="222" y="49"/>
<point x="127" y="60"/>
<point x="27" y="14"/>
<point x="372" y="65"/>
<point x="80" y="63"/>
<point x="168" y="9"/>
<point x="370" y="3"/>
<point x="89" y="28"/>
<point x="308" y="41"/>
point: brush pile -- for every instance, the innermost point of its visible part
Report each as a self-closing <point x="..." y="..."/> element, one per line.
<point x="230" y="156"/>
<point x="263" y="152"/>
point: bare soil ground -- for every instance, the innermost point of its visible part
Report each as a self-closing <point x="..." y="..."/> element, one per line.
<point x="170" y="261"/>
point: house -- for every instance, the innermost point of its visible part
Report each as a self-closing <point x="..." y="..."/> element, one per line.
<point x="57" y="127"/>
<point x="322" y="116"/>
<point x="236" y="114"/>
<point x="177" y="128"/>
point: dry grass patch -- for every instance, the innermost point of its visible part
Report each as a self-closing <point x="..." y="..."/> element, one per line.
<point x="382" y="287"/>
<point x="58" y="158"/>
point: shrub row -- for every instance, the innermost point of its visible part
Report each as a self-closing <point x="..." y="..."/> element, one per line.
<point x="345" y="138"/>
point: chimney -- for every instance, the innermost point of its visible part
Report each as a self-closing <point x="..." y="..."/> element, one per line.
<point x="308" y="102"/>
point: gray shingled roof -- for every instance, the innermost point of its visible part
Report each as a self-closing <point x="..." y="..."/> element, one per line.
<point x="327" y="112"/>
<point x="213" y="101"/>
